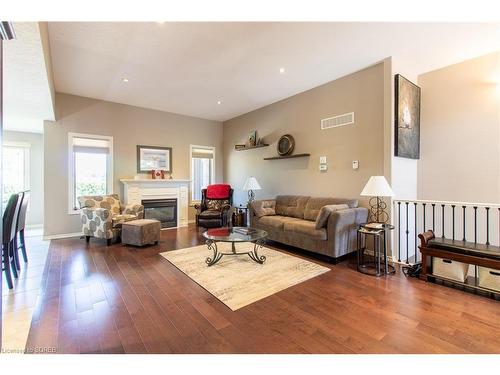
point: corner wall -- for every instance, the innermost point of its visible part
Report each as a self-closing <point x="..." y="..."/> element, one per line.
<point x="362" y="92"/>
<point x="460" y="132"/>
<point x="129" y="126"/>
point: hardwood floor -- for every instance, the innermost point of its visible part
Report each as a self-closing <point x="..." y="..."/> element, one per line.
<point x="127" y="300"/>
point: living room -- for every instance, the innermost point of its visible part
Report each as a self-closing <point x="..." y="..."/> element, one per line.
<point x="250" y="187"/>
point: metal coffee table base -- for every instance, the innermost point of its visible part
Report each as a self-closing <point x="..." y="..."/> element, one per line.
<point x="253" y="254"/>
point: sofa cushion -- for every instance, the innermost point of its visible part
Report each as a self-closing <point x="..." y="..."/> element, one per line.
<point x="314" y="205"/>
<point x="264" y="207"/>
<point x="325" y="213"/>
<point x="291" y="205"/>
<point x="276" y="222"/>
<point x="305" y="227"/>
<point x="118" y="220"/>
<point x="210" y="214"/>
<point x="110" y="202"/>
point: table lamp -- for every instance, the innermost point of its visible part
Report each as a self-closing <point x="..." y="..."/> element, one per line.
<point x="251" y="184"/>
<point x="376" y="187"/>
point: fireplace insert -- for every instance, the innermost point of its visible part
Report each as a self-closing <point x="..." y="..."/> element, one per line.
<point x="164" y="210"/>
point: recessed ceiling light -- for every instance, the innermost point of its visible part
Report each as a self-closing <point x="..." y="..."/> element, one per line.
<point x="282" y="70"/>
<point x="219" y="101"/>
<point x="124" y="79"/>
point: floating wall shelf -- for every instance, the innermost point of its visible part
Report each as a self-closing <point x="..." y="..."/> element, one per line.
<point x="251" y="147"/>
<point x="288" y="156"/>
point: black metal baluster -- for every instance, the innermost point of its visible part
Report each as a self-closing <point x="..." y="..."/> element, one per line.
<point x="423" y="229"/>
<point x="415" y="230"/>
<point x="399" y="231"/>
<point x="463" y="209"/>
<point x="475" y="224"/>
<point x="442" y="221"/>
<point x="487" y="225"/>
<point x="453" y="221"/>
<point x="407" y="233"/>
<point x="434" y="217"/>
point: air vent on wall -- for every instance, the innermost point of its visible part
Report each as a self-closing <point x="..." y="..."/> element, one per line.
<point x="336" y="121"/>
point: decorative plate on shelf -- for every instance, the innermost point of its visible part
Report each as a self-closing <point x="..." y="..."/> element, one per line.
<point x="286" y="144"/>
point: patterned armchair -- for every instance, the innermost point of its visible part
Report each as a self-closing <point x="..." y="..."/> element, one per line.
<point x="215" y="208"/>
<point x="102" y="216"/>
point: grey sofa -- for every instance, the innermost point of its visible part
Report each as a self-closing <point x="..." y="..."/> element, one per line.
<point x="291" y="219"/>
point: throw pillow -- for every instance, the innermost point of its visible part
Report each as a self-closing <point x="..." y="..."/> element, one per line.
<point x="325" y="213"/>
<point x="217" y="204"/>
<point x="264" y="208"/>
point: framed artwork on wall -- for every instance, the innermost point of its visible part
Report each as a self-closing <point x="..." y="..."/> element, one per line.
<point x="154" y="158"/>
<point x="407" y="119"/>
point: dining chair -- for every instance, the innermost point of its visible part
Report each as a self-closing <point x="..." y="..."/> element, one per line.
<point x="9" y="232"/>
<point x="21" y="224"/>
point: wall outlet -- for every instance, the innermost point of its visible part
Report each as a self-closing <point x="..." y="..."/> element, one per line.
<point x="323" y="167"/>
<point x="322" y="159"/>
<point x="355" y="164"/>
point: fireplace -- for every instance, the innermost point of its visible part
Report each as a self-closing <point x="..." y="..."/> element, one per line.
<point x="164" y="210"/>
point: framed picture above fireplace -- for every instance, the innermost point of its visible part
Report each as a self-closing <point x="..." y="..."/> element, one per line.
<point x="154" y="157"/>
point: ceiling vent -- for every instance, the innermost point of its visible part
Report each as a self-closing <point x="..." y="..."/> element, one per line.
<point x="335" y="122"/>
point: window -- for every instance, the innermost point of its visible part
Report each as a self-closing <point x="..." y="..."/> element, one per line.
<point x="202" y="169"/>
<point x="16" y="171"/>
<point x="90" y="167"/>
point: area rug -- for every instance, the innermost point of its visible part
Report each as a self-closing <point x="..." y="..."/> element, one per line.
<point x="238" y="281"/>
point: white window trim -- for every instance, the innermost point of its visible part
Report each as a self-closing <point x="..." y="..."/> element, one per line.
<point x="71" y="168"/>
<point x="191" y="177"/>
<point x="27" y="155"/>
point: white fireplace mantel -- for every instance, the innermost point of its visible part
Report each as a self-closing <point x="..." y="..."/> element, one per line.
<point x="135" y="191"/>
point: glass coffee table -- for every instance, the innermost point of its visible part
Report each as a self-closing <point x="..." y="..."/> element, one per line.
<point x="233" y="235"/>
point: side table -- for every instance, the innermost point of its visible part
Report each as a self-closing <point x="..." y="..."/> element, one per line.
<point x="240" y="216"/>
<point x="379" y="266"/>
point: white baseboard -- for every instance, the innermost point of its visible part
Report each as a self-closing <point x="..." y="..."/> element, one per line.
<point x="63" y="235"/>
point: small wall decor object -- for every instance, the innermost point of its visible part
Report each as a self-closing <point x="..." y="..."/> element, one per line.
<point x="154" y="158"/>
<point x="285" y="145"/>
<point x="407" y="119"/>
<point x="157" y="174"/>
<point x="252" y="138"/>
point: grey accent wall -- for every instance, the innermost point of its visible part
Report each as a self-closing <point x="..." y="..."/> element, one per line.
<point x="129" y="126"/>
<point x="34" y="215"/>
<point x="361" y="92"/>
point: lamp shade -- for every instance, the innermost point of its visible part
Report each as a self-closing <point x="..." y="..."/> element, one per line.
<point x="377" y="186"/>
<point x="251" y="184"/>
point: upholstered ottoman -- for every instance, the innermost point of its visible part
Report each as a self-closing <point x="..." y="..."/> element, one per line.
<point x="141" y="232"/>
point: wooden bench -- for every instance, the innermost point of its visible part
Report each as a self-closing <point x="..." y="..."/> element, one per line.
<point x="460" y="251"/>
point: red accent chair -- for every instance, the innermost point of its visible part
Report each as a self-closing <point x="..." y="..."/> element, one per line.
<point x="215" y="208"/>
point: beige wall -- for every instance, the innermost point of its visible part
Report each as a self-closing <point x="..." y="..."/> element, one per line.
<point x="129" y="127"/>
<point x="300" y="115"/>
<point x="460" y="132"/>
<point x="34" y="215"/>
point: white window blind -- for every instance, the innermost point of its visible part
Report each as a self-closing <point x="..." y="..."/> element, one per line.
<point x="90" y="166"/>
<point x="202" y="169"/>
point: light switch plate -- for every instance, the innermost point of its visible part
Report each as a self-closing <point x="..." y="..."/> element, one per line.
<point x="322" y="159"/>
<point x="323" y="167"/>
<point x="355" y="164"/>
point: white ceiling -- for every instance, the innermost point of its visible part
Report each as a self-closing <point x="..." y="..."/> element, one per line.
<point x="26" y="84"/>
<point x="187" y="67"/>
